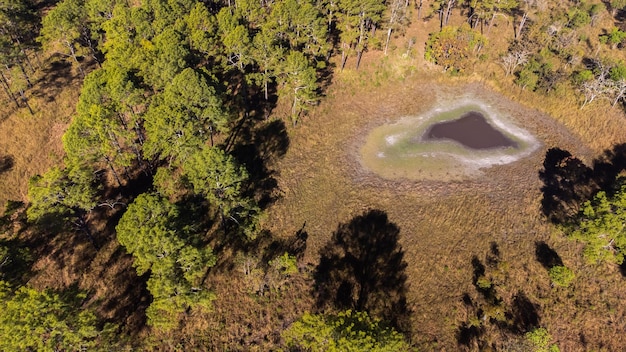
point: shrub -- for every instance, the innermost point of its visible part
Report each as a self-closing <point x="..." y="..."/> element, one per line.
<point x="561" y="275"/>
<point x="540" y="341"/>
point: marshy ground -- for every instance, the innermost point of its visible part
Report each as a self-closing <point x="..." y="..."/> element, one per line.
<point x="452" y="140"/>
<point x="447" y="226"/>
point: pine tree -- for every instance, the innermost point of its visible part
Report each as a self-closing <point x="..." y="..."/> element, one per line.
<point x="602" y="227"/>
<point x="32" y="320"/>
<point x="216" y="176"/>
<point x="298" y="81"/>
<point x="184" y="117"/>
<point x="151" y="231"/>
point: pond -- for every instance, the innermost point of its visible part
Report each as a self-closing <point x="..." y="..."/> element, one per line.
<point x="450" y="143"/>
<point x="471" y="130"/>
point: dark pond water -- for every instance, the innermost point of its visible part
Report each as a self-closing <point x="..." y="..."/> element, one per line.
<point x="471" y="130"/>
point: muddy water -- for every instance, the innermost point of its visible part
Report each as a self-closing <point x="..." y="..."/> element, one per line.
<point x="455" y="140"/>
<point x="471" y="130"/>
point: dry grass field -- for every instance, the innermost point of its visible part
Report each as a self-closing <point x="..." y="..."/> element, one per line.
<point x="444" y="225"/>
<point x="451" y="232"/>
<point x="33" y="141"/>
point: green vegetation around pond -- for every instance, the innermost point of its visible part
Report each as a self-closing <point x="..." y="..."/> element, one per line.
<point x="404" y="150"/>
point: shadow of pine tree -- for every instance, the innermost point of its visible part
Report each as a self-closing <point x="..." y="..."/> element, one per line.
<point x="363" y="268"/>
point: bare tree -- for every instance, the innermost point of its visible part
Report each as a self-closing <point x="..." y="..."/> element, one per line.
<point x="592" y="89"/>
<point x="449" y="6"/>
<point x="397" y="18"/>
<point x="616" y="90"/>
<point x="596" y="87"/>
<point x="520" y="25"/>
<point x="418" y="6"/>
<point x="514" y="59"/>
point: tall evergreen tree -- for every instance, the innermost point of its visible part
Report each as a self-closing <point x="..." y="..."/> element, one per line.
<point x="67" y="194"/>
<point x="32" y="320"/>
<point x="298" y="81"/>
<point x="66" y="25"/>
<point x="602" y="227"/>
<point x="215" y="175"/>
<point x="344" y="331"/>
<point x="152" y="232"/>
<point x="357" y="20"/>
<point x="184" y="117"/>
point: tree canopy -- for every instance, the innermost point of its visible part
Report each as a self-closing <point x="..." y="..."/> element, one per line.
<point x="345" y="331"/>
<point x="602" y="227"/>
<point x="151" y="230"/>
<point x="32" y="320"/>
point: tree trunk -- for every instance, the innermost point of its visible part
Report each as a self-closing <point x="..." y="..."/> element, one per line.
<point x="359" y="54"/>
<point x="518" y="33"/>
<point x="440" y="18"/>
<point x="73" y="54"/>
<point x="115" y="141"/>
<point x="344" y="56"/>
<point x="30" y="65"/>
<point x="470" y="17"/>
<point x="25" y="100"/>
<point x="491" y="23"/>
<point x="126" y="173"/>
<point x="37" y="58"/>
<point x="115" y="175"/>
<point x="139" y="133"/>
<point x="330" y="21"/>
<point x="120" y="117"/>
<point x="16" y="40"/>
<point x="264" y="87"/>
<point x="619" y="95"/>
<point x="360" y="45"/>
<point x="448" y="11"/>
<point x="91" y="46"/>
<point x="137" y="154"/>
<point x="294" y="107"/>
<point x="83" y="225"/>
<point x="388" y="37"/>
<point x="419" y="9"/>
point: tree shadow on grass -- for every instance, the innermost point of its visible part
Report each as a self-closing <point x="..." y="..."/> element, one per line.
<point x="55" y="76"/>
<point x="15" y="262"/>
<point x="492" y="319"/>
<point x="469" y="333"/>
<point x="622" y="268"/>
<point x="6" y="163"/>
<point x="523" y="315"/>
<point x="568" y="182"/>
<point x="363" y="268"/>
<point x="294" y="245"/>
<point x="260" y="148"/>
<point x="16" y="255"/>
<point x="127" y="296"/>
<point x="547" y="256"/>
<point x="609" y="165"/>
<point x="263" y="248"/>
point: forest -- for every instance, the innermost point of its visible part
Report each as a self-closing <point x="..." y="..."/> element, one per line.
<point x="189" y="175"/>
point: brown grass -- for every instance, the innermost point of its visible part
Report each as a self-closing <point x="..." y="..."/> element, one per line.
<point x="34" y="141"/>
<point x="443" y="225"/>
